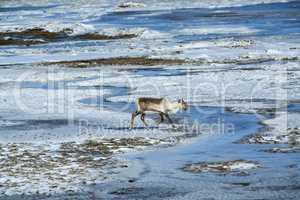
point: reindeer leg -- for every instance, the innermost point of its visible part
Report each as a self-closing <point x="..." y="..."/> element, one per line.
<point x="143" y="119"/>
<point x="170" y="120"/>
<point x="136" y="113"/>
<point x="161" y="117"/>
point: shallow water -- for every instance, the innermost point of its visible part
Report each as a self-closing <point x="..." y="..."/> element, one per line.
<point x="161" y="174"/>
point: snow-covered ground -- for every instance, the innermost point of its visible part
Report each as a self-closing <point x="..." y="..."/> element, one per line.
<point x="236" y="63"/>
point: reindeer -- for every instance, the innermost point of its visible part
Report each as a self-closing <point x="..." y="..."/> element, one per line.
<point x="158" y="105"/>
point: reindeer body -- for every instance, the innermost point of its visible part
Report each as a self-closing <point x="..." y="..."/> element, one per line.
<point x="155" y="105"/>
<point x="159" y="105"/>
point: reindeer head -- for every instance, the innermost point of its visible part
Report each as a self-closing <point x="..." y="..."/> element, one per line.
<point x="182" y="104"/>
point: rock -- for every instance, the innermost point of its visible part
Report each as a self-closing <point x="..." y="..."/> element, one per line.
<point x="221" y="166"/>
<point x="131" y="5"/>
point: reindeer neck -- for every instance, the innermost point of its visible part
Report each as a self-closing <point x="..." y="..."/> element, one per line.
<point x="174" y="106"/>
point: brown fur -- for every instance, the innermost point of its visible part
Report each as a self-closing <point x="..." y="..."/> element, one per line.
<point x="146" y="103"/>
<point x="159" y="105"/>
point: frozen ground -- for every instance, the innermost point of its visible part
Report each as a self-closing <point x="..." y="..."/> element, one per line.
<point x="64" y="119"/>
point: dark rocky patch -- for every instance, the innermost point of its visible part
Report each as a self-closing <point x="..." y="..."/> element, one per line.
<point x="146" y="192"/>
<point x="131" y="5"/>
<point x="118" y="61"/>
<point x="245" y="61"/>
<point x="276" y="188"/>
<point x="20" y="42"/>
<point x="292" y="137"/>
<point x="244" y="184"/>
<point x="292" y="166"/>
<point x="255" y="139"/>
<point x="39" y="35"/>
<point x="290" y="58"/>
<point x="62" y="165"/>
<point x="104" y="147"/>
<point x="36" y="33"/>
<point x="220" y="167"/>
<point x="127" y="191"/>
<point x="248" y="60"/>
<point x="95" y="36"/>
<point x="283" y="150"/>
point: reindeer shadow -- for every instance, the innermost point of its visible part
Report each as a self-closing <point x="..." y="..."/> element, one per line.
<point x="135" y="128"/>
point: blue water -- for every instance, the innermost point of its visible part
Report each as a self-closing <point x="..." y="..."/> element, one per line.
<point x="160" y="174"/>
<point x="270" y="19"/>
